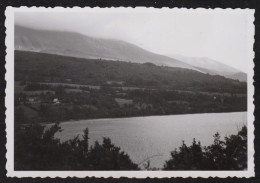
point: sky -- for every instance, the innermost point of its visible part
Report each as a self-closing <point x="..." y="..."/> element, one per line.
<point x="222" y="35"/>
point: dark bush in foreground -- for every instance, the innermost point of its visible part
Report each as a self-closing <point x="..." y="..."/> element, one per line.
<point x="37" y="149"/>
<point x="230" y="154"/>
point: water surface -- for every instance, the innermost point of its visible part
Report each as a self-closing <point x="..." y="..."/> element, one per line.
<point x="154" y="137"/>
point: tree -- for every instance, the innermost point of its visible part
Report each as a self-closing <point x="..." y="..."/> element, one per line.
<point x="229" y="154"/>
<point x="187" y="158"/>
<point x="36" y="148"/>
<point x="106" y="156"/>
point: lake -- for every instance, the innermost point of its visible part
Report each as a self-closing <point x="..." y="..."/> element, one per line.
<point x="154" y="137"/>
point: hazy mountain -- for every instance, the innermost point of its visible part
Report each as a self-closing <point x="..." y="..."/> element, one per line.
<point x="78" y="45"/>
<point x="212" y="67"/>
<point x="240" y="76"/>
<point x="40" y="67"/>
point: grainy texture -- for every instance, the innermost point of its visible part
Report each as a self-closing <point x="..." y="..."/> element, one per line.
<point x="158" y="4"/>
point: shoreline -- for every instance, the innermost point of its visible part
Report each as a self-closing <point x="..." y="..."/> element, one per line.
<point x="104" y="119"/>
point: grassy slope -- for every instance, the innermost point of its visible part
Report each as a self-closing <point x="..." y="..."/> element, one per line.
<point x="31" y="66"/>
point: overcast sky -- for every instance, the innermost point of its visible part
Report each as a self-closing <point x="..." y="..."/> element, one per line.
<point x="219" y="35"/>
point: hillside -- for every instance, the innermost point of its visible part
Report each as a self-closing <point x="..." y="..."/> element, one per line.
<point x="76" y="88"/>
<point x="82" y="46"/>
<point x="31" y="66"/>
<point x="212" y="67"/>
<point x="239" y="76"/>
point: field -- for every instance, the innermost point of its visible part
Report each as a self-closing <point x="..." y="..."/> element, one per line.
<point x="61" y="88"/>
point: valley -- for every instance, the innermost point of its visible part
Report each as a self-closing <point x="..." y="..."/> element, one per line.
<point x="51" y="88"/>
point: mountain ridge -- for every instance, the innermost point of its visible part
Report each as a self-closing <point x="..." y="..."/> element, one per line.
<point x="212" y="67"/>
<point x="82" y="46"/>
<point x="41" y="67"/>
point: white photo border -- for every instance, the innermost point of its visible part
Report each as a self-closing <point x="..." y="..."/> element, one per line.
<point x="9" y="102"/>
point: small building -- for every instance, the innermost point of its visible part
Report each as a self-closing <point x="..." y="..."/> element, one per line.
<point x="32" y="100"/>
<point x="56" y="101"/>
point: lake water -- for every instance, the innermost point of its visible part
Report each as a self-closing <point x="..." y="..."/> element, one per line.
<point x="154" y="137"/>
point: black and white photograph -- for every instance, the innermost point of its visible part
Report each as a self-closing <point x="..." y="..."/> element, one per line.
<point x="133" y="92"/>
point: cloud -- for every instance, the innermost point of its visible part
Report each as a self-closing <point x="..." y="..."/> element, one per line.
<point x="217" y="34"/>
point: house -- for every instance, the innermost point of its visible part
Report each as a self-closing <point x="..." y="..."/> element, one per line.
<point x="32" y="100"/>
<point x="56" y="101"/>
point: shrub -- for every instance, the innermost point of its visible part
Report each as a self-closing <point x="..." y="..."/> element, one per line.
<point x="229" y="154"/>
<point x="38" y="149"/>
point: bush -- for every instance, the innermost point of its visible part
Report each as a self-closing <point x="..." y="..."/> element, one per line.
<point x="37" y="149"/>
<point x="230" y="154"/>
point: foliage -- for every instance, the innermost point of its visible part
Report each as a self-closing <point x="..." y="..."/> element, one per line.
<point x="227" y="154"/>
<point x="101" y="103"/>
<point x="36" y="148"/>
<point x="40" y="67"/>
<point x="153" y="90"/>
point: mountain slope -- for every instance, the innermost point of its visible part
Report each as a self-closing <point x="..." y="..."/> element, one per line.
<point x="212" y="67"/>
<point x="78" y="45"/>
<point x="240" y="76"/>
<point x="41" y="67"/>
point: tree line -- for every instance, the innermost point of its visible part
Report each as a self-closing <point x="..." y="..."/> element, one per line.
<point x="40" y="67"/>
<point x="101" y="103"/>
<point x="36" y="148"/>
